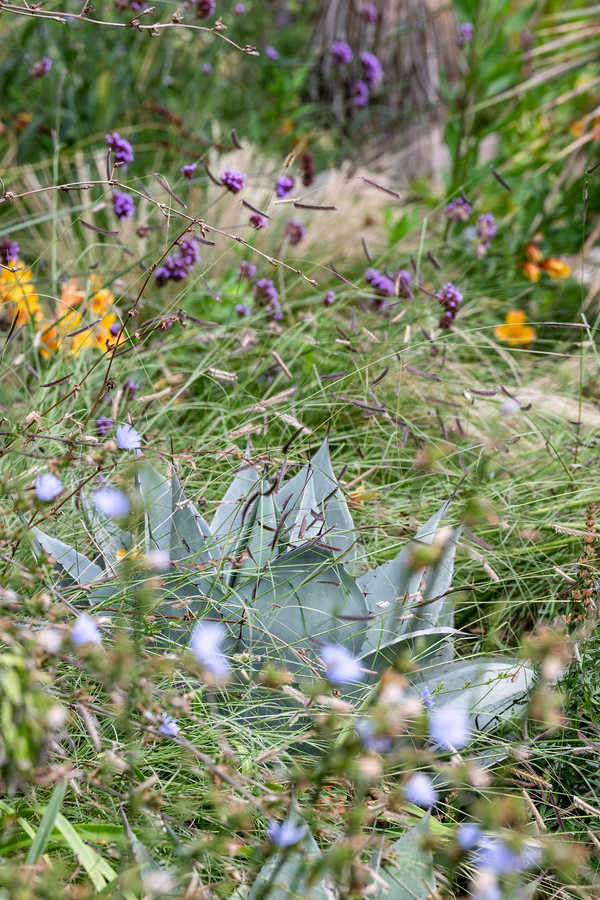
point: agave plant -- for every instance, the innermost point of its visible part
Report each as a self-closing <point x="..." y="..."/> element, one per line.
<point x="278" y="565"/>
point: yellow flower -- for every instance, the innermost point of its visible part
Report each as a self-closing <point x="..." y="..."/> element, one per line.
<point x="531" y="271"/>
<point x="360" y="494"/>
<point x="71" y="294"/>
<point x="101" y="301"/>
<point x="556" y="268"/>
<point x="18" y="296"/>
<point x="533" y="252"/>
<point x="514" y="331"/>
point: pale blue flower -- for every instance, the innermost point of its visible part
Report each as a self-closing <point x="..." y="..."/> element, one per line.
<point x="205" y="644"/>
<point x="468" y="836"/>
<point x="85" y="631"/>
<point x="128" y="438"/>
<point x="285" y="834"/>
<point x="341" y="666"/>
<point x="450" y="727"/>
<point x="370" y="739"/>
<point x="426" y="698"/>
<point x="419" y="790"/>
<point x="111" y="502"/>
<point x="47" y="486"/>
<point x="494" y="854"/>
<point x="168" y="726"/>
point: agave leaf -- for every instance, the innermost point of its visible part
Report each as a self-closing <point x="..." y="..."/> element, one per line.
<point x="326" y="498"/>
<point x="77" y="566"/>
<point x="155" y="491"/>
<point x="190" y="534"/>
<point x="232" y="520"/>
<point x="492" y="688"/>
<point x="260" y="539"/>
<point x="286" y="875"/>
<point x="410" y="875"/>
<point x="106" y="532"/>
<point x="303" y="598"/>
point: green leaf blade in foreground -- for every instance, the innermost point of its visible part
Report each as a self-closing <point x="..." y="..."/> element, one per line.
<point x="410" y="873"/>
<point x="42" y="835"/>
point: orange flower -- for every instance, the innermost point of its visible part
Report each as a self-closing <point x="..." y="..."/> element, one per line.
<point x="101" y="300"/>
<point x="70" y="294"/>
<point x="18" y="296"/>
<point x="360" y="494"/>
<point x="577" y="128"/>
<point x="533" y="252"/>
<point x="515" y="332"/>
<point x="556" y="268"/>
<point x="531" y="271"/>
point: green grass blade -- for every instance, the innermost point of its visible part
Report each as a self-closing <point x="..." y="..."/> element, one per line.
<point x="42" y="835"/>
<point x="98" y="870"/>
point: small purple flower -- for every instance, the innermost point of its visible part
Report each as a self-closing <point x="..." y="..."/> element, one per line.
<point x="257" y="221"/>
<point x="42" y="67"/>
<point x="188" y="170"/>
<point x="382" y="284"/>
<point x="121" y="148"/>
<point x="233" y="181"/>
<point x="285" y="834"/>
<point x="242" y="310"/>
<point x="295" y="232"/>
<point x="370" y="739"/>
<point x="132" y="388"/>
<point x="450" y="299"/>
<point x="123" y="205"/>
<point x="115" y="329"/>
<point x="328" y="298"/>
<point x="271" y="53"/>
<point x="419" y="790"/>
<point x="168" y="726"/>
<point x="206" y="68"/>
<point x="360" y="93"/>
<point x="404" y="279"/>
<point x="372" y="68"/>
<point x="247" y="270"/>
<point x="265" y="291"/>
<point x="47" y="486"/>
<point x="284" y="185"/>
<point x="465" y="33"/>
<point x="450" y="728"/>
<point x="188" y="248"/>
<point x="104" y="424"/>
<point x="459" y="209"/>
<point x="128" y="438"/>
<point x="273" y="310"/>
<point x="205" y="9"/>
<point x="341" y="666"/>
<point x="239" y="9"/>
<point x="205" y="644"/>
<point x="111" y="502"/>
<point x="426" y="698"/>
<point x="486" y="227"/>
<point x="85" y="631"/>
<point x="9" y="251"/>
<point x="368" y="12"/>
<point x="342" y="52"/>
<point x="468" y="836"/>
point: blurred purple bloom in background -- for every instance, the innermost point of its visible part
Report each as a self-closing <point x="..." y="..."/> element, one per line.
<point x="419" y="790"/>
<point x="465" y="33"/>
<point x="381" y="283"/>
<point x="342" y="52"/>
<point x="285" y="834"/>
<point x="284" y="185"/>
<point x="328" y="298"/>
<point x="242" y="310"/>
<point x="257" y="221"/>
<point x="111" y="502"/>
<point x="372" y="68"/>
<point x="104" y="424"/>
<point x="274" y="311"/>
<point x="295" y="232"/>
<point x="341" y="666"/>
<point x="271" y="52"/>
<point x="205" y="8"/>
<point x="494" y="854"/>
<point x="123" y="205"/>
<point x="233" y="181"/>
<point x="239" y="9"/>
<point x="265" y="291"/>
<point x="459" y="209"/>
<point x="120" y="147"/>
<point x="205" y="644"/>
<point x="41" y="67"/>
<point x="188" y="170"/>
<point x="9" y="251"/>
<point x="132" y="388"/>
<point x="85" y="631"/>
<point x="468" y="836"/>
<point x="206" y="68"/>
<point x="47" y="486"/>
<point x="450" y="299"/>
<point x="405" y="282"/>
<point x="247" y="270"/>
<point x="360" y="93"/>
<point x="128" y="438"/>
<point x="426" y="698"/>
<point x="368" y="12"/>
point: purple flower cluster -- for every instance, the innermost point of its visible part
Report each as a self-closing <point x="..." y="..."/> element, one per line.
<point x="271" y="53"/>
<point x="9" y="251"/>
<point x="459" y="209"/>
<point x="368" y="12"/>
<point x="233" y="181"/>
<point x="404" y="279"/>
<point x="382" y="284"/>
<point x="239" y="9"/>
<point x="247" y="270"/>
<point x="328" y="298"/>
<point x="465" y="34"/>
<point x="176" y="266"/>
<point x="360" y="93"/>
<point x="121" y="148"/>
<point x="284" y="185"/>
<point x="41" y="67"/>
<point x="123" y="205"/>
<point x="205" y="9"/>
<point x="450" y="298"/>
<point x="265" y="291"/>
<point x="258" y="221"/>
<point x="242" y="310"/>
<point x="188" y="170"/>
<point x="295" y="232"/>
<point x="342" y="52"/>
<point x="485" y="231"/>
<point x="104" y="424"/>
<point x="372" y="68"/>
